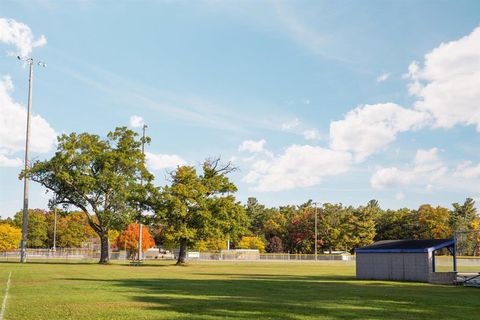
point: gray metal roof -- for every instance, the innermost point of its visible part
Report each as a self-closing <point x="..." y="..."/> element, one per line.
<point x="413" y="246"/>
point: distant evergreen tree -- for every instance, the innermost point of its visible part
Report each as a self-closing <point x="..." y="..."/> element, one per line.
<point x="463" y="216"/>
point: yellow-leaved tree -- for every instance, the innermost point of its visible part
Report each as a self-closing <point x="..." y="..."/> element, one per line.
<point x="249" y="242"/>
<point x="9" y="237"/>
<point x="212" y="244"/>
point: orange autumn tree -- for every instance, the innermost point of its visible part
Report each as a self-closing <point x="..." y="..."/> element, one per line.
<point x="128" y="239"/>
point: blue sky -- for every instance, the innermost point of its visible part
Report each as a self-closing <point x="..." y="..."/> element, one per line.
<point x="332" y="101"/>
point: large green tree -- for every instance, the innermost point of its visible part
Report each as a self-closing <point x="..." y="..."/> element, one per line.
<point x="200" y="207"/>
<point x="105" y="178"/>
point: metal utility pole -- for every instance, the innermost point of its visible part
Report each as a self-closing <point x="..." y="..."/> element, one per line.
<point x="55" y="231"/>
<point x="316" y="232"/>
<point x="26" y="181"/>
<point x="140" y="225"/>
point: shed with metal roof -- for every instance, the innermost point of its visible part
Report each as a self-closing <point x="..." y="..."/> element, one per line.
<point x="404" y="260"/>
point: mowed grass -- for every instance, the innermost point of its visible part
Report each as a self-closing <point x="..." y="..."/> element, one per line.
<point x="223" y="290"/>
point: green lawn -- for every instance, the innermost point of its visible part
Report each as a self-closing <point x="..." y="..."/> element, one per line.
<point x="223" y="290"/>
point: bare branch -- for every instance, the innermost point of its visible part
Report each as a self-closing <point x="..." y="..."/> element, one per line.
<point x="218" y="167"/>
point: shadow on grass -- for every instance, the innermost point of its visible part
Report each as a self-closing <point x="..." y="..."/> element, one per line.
<point x="268" y="296"/>
<point x="91" y="263"/>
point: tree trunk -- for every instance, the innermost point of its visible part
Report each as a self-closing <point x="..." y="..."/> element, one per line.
<point x="103" y="235"/>
<point x="104" y="248"/>
<point x="182" y="254"/>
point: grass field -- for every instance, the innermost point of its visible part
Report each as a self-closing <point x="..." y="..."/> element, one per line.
<point x="222" y="290"/>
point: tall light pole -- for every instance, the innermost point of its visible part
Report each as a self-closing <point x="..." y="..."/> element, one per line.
<point x="316" y="232"/>
<point x="140" y="225"/>
<point x="26" y="181"/>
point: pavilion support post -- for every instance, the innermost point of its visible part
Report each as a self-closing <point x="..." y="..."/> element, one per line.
<point x="433" y="261"/>
<point x="454" y="258"/>
<point x="454" y="251"/>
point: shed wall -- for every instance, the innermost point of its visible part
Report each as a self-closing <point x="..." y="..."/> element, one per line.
<point x="394" y="266"/>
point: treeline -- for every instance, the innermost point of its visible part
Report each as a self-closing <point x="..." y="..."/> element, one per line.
<point x="72" y="229"/>
<point x="343" y="228"/>
<point x="289" y="229"/>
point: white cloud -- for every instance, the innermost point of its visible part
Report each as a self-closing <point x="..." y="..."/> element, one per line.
<point x="366" y="129"/>
<point x="312" y="134"/>
<point x="8" y="162"/>
<point x="428" y="174"/>
<point x="249" y="159"/>
<point x="40" y="42"/>
<point x="428" y="161"/>
<point x="19" y="35"/>
<point x="447" y="88"/>
<point x="163" y="161"/>
<point x="390" y="178"/>
<point x="291" y="124"/>
<point x="467" y="170"/>
<point x="136" y="121"/>
<point x="13" y="115"/>
<point x="383" y="77"/>
<point x="427" y="168"/>
<point x="448" y="83"/>
<point x="252" y="146"/>
<point x="13" y="125"/>
<point x="299" y="166"/>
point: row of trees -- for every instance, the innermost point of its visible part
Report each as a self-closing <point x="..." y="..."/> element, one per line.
<point x="292" y="228"/>
<point x="107" y="181"/>
<point x="276" y="230"/>
<point x="72" y="230"/>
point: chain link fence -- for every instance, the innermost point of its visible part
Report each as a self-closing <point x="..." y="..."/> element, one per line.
<point x="59" y="255"/>
<point x="255" y="255"/>
<point x="84" y="255"/>
<point x="88" y="255"/>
